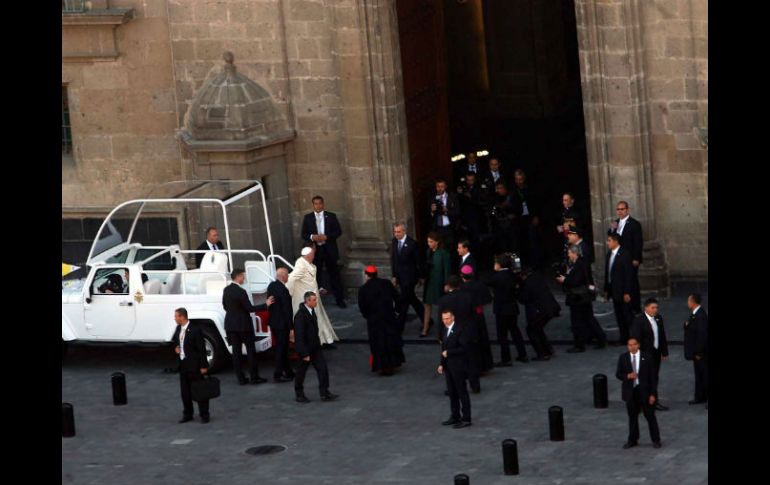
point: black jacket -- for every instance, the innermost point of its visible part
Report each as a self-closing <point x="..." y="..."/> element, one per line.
<point x="281" y="314"/>
<point x="306" y="340"/>
<point x="631" y="239"/>
<point x="376" y="300"/>
<point x="578" y="276"/>
<point x="453" y="210"/>
<point x="588" y="253"/>
<point x="205" y="247"/>
<point x="503" y="284"/>
<point x="332" y="230"/>
<point x="623" y="276"/>
<point x="238" y="308"/>
<point x="406" y="266"/>
<point x="194" y="349"/>
<point x="537" y="298"/>
<point x="461" y="304"/>
<point x="696" y="335"/>
<point x="648" y="382"/>
<point x="641" y="330"/>
<point x="521" y="195"/>
<point x="458" y="346"/>
<point x="460" y="170"/>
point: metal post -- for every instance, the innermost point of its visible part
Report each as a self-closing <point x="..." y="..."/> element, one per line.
<point x="600" y="391"/>
<point x="119" y="396"/>
<point x="510" y="457"/>
<point x="462" y="479"/>
<point x="556" y="423"/>
<point x="67" y="420"/>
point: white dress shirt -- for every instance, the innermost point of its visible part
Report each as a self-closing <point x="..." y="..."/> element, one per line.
<point x="319" y="224"/>
<point x="613" y="253"/>
<point x="309" y="309"/>
<point x="449" y="329"/>
<point x="182" y="333"/>
<point x="622" y="224"/>
<point x="401" y="243"/>
<point x="495" y="176"/>
<point x="654" y="325"/>
<point x="464" y="258"/>
<point x="635" y="358"/>
<point x="212" y="246"/>
<point x="696" y="309"/>
<point x="444" y="219"/>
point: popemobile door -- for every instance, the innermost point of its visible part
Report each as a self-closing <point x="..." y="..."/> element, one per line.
<point x="111" y="312"/>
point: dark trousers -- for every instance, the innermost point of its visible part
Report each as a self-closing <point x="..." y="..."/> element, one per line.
<point x="406" y="298"/>
<point x="701" y="368"/>
<point x="580" y="321"/>
<point x="595" y="330"/>
<point x="326" y="263"/>
<point x="656" y="358"/>
<point x="635" y="406"/>
<point x="636" y="296"/>
<point x="319" y="364"/>
<point x="282" y="366"/>
<point x="506" y="324"/>
<point x="537" y="337"/>
<point x="236" y="340"/>
<point x="529" y="246"/>
<point x="458" y="394"/>
<point x="624" y="316"/>
<point x="185" y="383"/>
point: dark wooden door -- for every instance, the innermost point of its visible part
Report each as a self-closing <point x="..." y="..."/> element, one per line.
<point x="423" y="60"/>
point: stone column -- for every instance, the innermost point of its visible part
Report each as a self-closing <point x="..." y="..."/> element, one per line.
<point x="617" y="127"/>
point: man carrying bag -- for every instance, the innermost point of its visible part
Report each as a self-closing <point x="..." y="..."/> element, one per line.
<point x="193" y="367"/>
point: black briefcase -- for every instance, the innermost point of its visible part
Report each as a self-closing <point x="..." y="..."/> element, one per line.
<point x="205" y="389"/>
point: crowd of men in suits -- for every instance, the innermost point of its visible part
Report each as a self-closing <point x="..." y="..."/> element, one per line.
<point x="463" y="220"/>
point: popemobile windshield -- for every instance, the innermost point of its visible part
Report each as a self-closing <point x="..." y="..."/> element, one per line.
<point x="131" y="289"/>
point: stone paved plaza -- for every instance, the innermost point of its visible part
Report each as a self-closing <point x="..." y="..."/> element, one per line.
<point x="381" y="430"/>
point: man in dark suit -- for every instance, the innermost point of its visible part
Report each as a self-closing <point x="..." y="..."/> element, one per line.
<point x="696" y="347"/>
<point x="406" y="267"/>
<point x="492" y="176"/>
<point x="455" y="344"/>
<point x="239" y="326"/>
<point x="620" y="284"/>
<point x="444" y="212"/>
<point x="630" y="232"/>
<point x="192" y="363"/>
<point x="506" y="310"/>
<point x="649" y="331"/>
<point x="640" y="386"/>
<point x="322" y="228"/>
<point x="376" y="300"/>
<point x="308" y="346"/>
<point x="472" y="208"/>
<point x="212" y="243"/>
<point x="540" y="307"/>
<point x="469" y="165"/>
<point x="464" y="251"/>
<point x="281" y="323"/>
<point x="527" y="211"/>
<point x="459" y="302"/>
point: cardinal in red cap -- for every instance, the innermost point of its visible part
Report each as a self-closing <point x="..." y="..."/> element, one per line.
<point x="376" y="301"/>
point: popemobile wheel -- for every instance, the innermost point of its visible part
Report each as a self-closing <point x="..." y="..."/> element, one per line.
<point x="216" y="351"/>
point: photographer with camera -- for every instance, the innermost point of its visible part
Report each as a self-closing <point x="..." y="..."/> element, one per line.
<point x="506" y="309"/>
<point x="503" y="220"/>
<point x="472" y="209"/>
<point x="445" y="213"/>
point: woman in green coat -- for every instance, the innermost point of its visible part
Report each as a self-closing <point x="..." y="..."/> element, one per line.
<point x="437" y="272"/>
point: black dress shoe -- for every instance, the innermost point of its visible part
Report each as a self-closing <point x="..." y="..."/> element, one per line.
<point x="629" y="444"/>
<point x="257" y="380"/>
<point x="329" y="397"/>
<point x="185" y="419"/>
<point x="450" y="422"/>
<point x="302" y="399"/>
<point x="205" y="419"/>
<point x="242" y="382"/>
<point x="576" y="350"/>
<point x="342" y="304"/>
<point x="281" y="379"/>
<point x="504" y="364"/>
<point x="697" y="401"/>
<point x="462" y="424"/>
<point x="660" y="407"/>
<point x="541" y="358"/>
<point x="656" y="444"/>
<point x="523" y="360"/>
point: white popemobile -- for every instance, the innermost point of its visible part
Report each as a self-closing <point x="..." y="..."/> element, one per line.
<point x="113" y="303"/>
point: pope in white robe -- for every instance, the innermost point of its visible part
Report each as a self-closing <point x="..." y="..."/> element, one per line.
<point x="303" y="279"/>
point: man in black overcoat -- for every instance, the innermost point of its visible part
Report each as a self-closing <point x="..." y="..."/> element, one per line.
<point x="376" y="300"/>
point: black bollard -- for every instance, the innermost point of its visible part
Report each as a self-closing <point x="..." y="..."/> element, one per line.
<point x="119" y="396"/>
<point x="462" y="479"/>
<point x="67" y="420"/>
<point x="510" y="457"/>
<point x="600" y="391"/>
<point x="556" y="423"/>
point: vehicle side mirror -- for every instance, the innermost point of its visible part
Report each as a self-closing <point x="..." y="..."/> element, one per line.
<point x="88" y="299"/>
